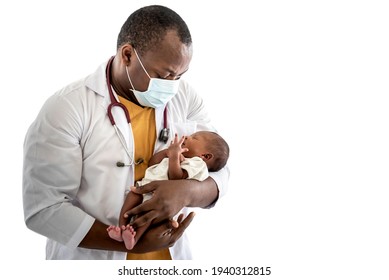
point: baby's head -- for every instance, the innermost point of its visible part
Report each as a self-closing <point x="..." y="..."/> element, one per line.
<point x="209" y="146"/>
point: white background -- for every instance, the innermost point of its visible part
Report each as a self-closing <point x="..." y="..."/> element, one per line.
<point x="298" y="88"/>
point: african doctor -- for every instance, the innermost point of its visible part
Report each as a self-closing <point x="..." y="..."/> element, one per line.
<point x="78" y="167"/>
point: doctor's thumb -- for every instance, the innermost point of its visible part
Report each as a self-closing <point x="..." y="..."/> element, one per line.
<point x="142" y="189"/>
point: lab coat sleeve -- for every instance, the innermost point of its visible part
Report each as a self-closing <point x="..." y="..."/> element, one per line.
<point x="52" y="172"/>
<point x="221" y="178"/>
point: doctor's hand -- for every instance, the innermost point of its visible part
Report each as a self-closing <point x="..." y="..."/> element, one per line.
<point x="163" y="235"/>
<point x="169" y="197"/>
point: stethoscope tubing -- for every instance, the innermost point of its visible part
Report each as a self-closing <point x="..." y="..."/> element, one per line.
<point x="116" y="103"/>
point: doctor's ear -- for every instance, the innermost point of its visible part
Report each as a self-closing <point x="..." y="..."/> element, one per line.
<point x="127" y="53"/>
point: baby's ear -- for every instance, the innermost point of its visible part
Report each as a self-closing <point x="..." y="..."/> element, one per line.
<point x="206" y="157"/>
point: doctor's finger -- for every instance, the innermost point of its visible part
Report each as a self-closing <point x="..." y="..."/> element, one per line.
<point x="180" y="218"/>
<point x="141" y="209"/>
<point x="147" y="218"/>
<point x="176" y="233"/>
<point x="148" y="188"/>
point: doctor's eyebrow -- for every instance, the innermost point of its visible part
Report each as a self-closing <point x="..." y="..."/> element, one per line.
<point x="172" y="73"/>
<point x="169" y="70"/>
<point x="165" y="72"/>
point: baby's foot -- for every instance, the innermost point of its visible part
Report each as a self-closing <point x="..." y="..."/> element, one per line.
<point x="128" y="235"/>
<point x="115" y="233"/>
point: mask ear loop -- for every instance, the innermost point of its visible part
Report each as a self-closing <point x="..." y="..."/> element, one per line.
<point x="141" y="64"/>
<point x="129" y="79"/>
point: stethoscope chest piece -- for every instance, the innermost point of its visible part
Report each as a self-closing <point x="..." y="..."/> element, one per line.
<point x="164" y="135"/>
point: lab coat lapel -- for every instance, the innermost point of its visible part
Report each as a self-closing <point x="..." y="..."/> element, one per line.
<point x="159" y="118"/>
<point x="97" y="82"/>
<point x="159" y="126"/>
<point x="123" y="126"/>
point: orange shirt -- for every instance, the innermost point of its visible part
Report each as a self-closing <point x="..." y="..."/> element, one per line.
<point x="145" y="135"/>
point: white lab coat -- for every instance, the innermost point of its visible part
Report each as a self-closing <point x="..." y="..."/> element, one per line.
<point x="70" y="177"/>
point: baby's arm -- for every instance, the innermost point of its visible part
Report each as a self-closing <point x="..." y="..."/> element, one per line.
<point x="174" y="153"/>
<point x="158" y="157"/>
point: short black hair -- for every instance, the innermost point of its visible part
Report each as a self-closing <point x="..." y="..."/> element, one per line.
<point x="147" y="26"/>
<point x="220" y="150"/>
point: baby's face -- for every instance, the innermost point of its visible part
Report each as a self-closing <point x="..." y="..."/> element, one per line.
<point x="196" y="144"/>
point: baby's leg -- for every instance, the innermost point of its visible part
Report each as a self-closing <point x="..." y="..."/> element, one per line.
<point x="115" y="233"/>
<point x="130" y="236"/>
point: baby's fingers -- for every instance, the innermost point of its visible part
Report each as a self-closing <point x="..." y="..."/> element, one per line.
<point x="182" y="140"/>
<point x="175" y="140"/>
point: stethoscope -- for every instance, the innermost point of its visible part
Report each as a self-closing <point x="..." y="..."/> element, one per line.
<point x="163" y="135"/>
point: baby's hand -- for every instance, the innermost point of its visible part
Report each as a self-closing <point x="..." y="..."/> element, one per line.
<point x="175" y="148"/>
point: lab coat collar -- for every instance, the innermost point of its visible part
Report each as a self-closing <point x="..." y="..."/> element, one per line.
<point x="97" y="82"/>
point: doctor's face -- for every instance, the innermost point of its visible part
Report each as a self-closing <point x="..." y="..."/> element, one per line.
<point x="169" y="60"/>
